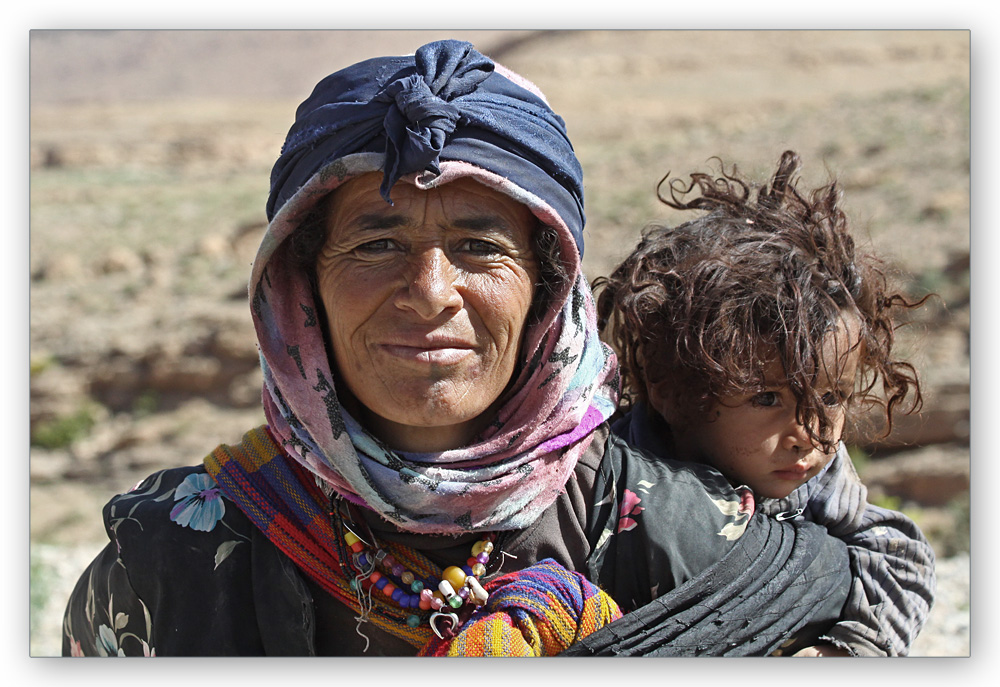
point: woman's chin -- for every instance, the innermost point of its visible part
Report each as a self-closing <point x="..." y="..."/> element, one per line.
<point x="421" y="427"/>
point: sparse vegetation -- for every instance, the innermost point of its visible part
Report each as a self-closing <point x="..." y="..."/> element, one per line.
<point x="62" y="432"/>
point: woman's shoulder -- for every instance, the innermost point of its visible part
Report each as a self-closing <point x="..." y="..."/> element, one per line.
<point x="181" y="510"/>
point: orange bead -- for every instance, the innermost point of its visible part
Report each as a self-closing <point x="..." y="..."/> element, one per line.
<point x="389" y="589"/>
<point x="357" y="547"/>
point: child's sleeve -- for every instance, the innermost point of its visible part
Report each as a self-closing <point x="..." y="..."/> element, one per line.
<point x="892" y="564"/>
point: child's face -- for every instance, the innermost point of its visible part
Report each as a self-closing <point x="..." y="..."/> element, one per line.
<point x="754" y="438"/>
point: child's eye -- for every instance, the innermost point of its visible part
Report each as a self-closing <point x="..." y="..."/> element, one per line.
<point x="765" y="399"/>
<point x="832" y="399"/>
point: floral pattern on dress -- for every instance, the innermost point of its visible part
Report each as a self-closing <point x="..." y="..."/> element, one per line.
<point x="630" y="509"/>
<point x="740" y="513"/>
<point x="110" y="618"/>
<point x="200" y="505"/>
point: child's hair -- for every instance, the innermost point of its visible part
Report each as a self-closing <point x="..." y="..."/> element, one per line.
<point x="767" y="273"/>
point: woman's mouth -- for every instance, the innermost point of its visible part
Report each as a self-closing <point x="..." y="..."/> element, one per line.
<point x="439" y="354"/>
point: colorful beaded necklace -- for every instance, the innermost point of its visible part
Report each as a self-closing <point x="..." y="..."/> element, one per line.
<point x="445" y="600"/>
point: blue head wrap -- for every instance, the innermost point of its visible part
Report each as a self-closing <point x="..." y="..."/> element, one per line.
<point x="443" y="114"/>
<point x="446" y="102"/>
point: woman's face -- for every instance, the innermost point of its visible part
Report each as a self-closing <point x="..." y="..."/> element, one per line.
<point x="426" y="302"/>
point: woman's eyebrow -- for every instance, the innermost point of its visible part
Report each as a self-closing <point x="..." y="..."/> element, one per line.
<point x="481" y="223"/>
<point x="375" y="221"/>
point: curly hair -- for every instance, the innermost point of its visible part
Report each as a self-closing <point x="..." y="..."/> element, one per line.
<point x="767" y="272"/>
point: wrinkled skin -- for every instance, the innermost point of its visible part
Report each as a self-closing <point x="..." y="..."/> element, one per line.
<point x="426" y="303"/>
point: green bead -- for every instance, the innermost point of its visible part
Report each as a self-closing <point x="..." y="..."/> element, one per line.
<point x="413" y="620"/>
<point x="354" y="585"/>
<point x="455" y="601"/>
<point x="417" y="586"/>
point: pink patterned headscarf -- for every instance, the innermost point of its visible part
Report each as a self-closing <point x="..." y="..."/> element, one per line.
<point x="566" y="384"/>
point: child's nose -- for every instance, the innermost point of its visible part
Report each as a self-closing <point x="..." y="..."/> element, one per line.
<point x="797" y="437"/>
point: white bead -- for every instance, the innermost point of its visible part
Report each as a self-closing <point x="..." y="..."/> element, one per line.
<point x="478" y="595"/>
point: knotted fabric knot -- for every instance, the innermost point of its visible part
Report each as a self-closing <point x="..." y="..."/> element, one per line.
<point x="445" y="103"/>
<point x="417" y="124"/>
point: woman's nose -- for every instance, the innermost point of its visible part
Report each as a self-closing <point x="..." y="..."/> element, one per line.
<point x="431" y="281"/>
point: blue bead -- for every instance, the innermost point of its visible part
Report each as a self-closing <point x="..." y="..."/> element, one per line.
<point x="397" y="594"/>
<point x="467" y="569"/>
<point x="383" y="581"/>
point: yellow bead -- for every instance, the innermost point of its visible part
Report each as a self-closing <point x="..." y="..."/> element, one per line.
<point x="482" y="546"/>
<point x="454" y="575"/>
<point x="350" y="538"/>
<point x="479" y="570"/>
<point x="407" y="577"/>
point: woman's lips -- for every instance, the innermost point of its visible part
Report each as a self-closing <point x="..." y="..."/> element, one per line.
<point x="431" y="354"/>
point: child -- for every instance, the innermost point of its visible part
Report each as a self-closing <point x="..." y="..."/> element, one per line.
<point x="746" y="337"/>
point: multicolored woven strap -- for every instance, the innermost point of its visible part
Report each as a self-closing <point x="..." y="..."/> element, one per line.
<point x="538" y="611"/>
<point x="282" y="500"/>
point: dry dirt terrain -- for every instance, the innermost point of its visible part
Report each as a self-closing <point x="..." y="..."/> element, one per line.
<point x="150" y="154"/>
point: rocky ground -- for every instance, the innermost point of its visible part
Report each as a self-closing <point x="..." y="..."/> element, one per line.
<point x="149" y="161"/>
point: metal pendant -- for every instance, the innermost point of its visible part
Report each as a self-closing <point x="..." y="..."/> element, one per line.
<point x="449" y="621"/>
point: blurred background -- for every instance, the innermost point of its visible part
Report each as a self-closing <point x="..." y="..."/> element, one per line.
<point x="150" y="155"/>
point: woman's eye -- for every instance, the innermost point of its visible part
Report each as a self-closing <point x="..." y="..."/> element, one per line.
<point x="766" y="399"/>
<point x="481" y="248"/>
<point x="377" y="246"/>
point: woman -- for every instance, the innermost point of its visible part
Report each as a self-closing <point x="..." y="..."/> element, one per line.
<point x="437" y="398"/>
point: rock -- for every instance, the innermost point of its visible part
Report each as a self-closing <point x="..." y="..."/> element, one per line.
<point x="66" y="266"/>
<point x="186" y="376"/>
<point x="57" y="391"/>
<point x="944" y="419"/>
<point x="931" y="476"/>
<point x="214" y="246"/>
<point x="120" y="259"/>
<point x="948" y="626"/>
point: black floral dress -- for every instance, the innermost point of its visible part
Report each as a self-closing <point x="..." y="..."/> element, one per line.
<point x="186" y="573"/>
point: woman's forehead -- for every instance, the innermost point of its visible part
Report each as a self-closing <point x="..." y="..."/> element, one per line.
<point x="359" y="200"/>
